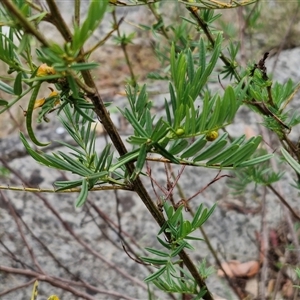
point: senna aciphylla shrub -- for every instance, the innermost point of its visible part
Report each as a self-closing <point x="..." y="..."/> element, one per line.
<point x="187" y="134"/>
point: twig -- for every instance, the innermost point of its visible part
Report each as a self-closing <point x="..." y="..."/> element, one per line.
<point x="79" y="240"/>
<point x="217" y="177"/>
<point x="134" y="259"/>
<point x="118" y="214"/>
<point x="207" y="241"/>
<point x="58" y="21"/>
<point x="16" y="219"/>
<point x="264" y="249"/>
<point x="176" y="181"/>
<point x="28" y="27"/>
<point x="21" y="286"/>
<point x="61" y="283"/>
<point x="124" y="49"/>
<point x="284" y="202"/>
<point x="13" y="256"/>
<point x="211" y="39"/>
<point x="149" y="172"/>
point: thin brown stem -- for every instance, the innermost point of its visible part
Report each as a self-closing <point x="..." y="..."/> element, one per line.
<point x="264" y="249"/>
<point x="284" y="202"/>
<point x="62" y="283"/>
<point x="77" y="12"/>
<point x="17" y="221"/>
<point x="58" y="20"/>
<point x="211" y="39"/>
<point x="125" y="52"/>
<point x="27" y="26"/>
<point x="207" y="241"/>
<point x="105" y="119"/>
<point x="21" y="286"/>
<point x="69" y="229"/>
<point x="158" y="19"/>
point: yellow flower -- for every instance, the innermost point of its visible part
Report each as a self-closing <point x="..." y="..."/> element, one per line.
<point x="54" y="94"/>
<point x="39" y="103"/>
<point x="45" y="70"/>
<point x="53" y="297"/>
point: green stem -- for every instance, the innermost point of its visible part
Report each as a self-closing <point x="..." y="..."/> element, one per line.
<point x="29" y="115"/>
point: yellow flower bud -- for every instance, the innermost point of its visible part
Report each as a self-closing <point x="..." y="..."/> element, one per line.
<point x="212" y="135"/>
<point x="45" y="70"/>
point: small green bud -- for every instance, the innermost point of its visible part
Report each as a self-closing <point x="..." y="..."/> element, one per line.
<point x="179" y="131"/>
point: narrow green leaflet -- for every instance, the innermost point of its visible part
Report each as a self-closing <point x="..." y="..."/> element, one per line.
<point x="6" y="88"/>
<point x="58" y="163"/>
<point x="74" y="162"/>
<point x="141" y="101"/>
<point x="93" y="19"/>
<point x="135" y="123"/>
<point x="196" y="216"/>
<point x="102" y="159"/>
<point x="140" y="160"/>
<point x="155" y="275"/>
<point x="18" y="84"/>
<point x="255" y="161"/>
<point x="35" y="155"/>
<point x="83" y="193"/>
<point x="195" y="147"/>
<point x="213" y="122"/>
<point x="84" y="66"/>
<point x="243" y="152"/>
<point x="154" y="261"/>
<point x="190" y="65"/>
<point x="29" y="116"/>
<point x="213" y="60"/>
<point x="179" y="249"/>
<point x="204" y="216"/>
<point x="162" y="151"/>
<point x="3" y="102"/>
<point x="178" y="146"/>
<point x="65" y="185"/>
<point x="204" y="114"/>
<point x="130" y="156"/>
<point x="157" y="252"/>
<point x="233" y="103"/>
<point x="291" y="161"/>
<point x="174" y="219"/>
<point x="223" y="155"/>
<point x="213" y="149"/>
